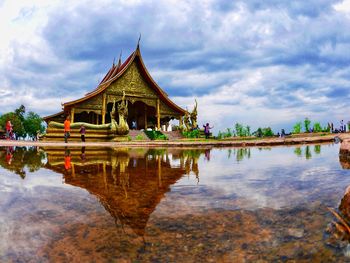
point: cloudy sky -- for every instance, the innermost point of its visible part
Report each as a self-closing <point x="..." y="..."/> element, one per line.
<point x="262" y="63"/>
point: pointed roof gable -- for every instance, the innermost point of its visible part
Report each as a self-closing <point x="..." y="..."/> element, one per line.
<point x="117" y="71"/>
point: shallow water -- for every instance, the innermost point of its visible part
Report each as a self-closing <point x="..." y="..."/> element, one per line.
<point x="171" y="205"/>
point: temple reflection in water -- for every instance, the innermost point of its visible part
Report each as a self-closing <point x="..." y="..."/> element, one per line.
<point x="129" y="183"/>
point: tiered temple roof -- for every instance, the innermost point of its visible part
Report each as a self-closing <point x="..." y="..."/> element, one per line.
<point x="116" y="71"/>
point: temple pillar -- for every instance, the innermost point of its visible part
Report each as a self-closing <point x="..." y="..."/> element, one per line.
<point x="97" y="119"/>
<point x="72" y="115"/>
<point x="145" y="117"/>
<point x="158" y="115"/>
<point x="103" y="111"/>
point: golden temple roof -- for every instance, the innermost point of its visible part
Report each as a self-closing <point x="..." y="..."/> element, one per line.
<point x="117" y="71"/>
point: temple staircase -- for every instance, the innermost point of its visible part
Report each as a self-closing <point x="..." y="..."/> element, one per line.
<point x="138" y="133"/>
<point x="173" y="135"/>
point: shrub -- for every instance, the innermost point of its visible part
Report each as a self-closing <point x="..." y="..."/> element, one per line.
<point x="297" y="128"/>
<point x="307" y="123"/>
<point x="139" y="137"/>
<point x="227" y="134"/>
<point x="317" y="127"/>
<point x="156" y="135"/>
<point x="241" y="131"/>
<point x="220" y="135"/>
<point x="191" y="134"/>
<point x="263" y="132"/>
<point x="267" y="132"/>
<point x="258" y="133"/>
<point x="326" y="129"/>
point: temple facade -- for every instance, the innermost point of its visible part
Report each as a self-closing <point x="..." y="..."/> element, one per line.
<point x="148" y="105"/>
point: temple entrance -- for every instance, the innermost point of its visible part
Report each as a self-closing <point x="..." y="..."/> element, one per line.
<point x="141" y="115"/>
<point x="86" y="117"/>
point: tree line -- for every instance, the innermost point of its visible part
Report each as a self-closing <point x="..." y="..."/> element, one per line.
<point x="23" y="124"/>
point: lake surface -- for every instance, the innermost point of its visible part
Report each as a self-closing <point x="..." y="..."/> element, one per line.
<point x="173" y="205"/>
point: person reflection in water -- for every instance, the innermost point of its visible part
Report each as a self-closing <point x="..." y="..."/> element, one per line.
<point x="207" y="154"/>
<point x="67" y="160"/>
<point x="82" y="156"/>
<point x="9" y="154"/>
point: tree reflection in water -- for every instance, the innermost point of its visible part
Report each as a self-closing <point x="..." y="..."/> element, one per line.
<point x="239" y="153"/>
<point x="308" y="154"/>
<point x="18" y="159"/>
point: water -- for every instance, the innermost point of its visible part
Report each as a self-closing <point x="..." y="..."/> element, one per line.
<point x="173" y="205"/>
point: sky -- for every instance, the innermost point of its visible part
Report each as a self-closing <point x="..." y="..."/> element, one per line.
<point x="259" y="63"/>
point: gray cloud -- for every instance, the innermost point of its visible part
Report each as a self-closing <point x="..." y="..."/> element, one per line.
<point x="273" y="56"/>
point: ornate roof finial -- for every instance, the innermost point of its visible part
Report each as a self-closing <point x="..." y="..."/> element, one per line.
<point x="113" y="61"/>
<point x="120" y="58"/>
<point x="138" y="42"/>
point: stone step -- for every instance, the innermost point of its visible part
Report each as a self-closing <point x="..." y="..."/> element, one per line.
<point x="173" y="135"/>
<point x="135" y="133"/>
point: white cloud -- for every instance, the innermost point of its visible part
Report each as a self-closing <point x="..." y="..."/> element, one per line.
<point x="343" y="6"/>
<point x="243" y="61"/>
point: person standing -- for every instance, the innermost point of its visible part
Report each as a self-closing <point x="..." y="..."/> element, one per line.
<point x="133" y="125"/>
<point x="207" y="130"/>
<point x="82" y="132"/>
<point x="66" y="129"/>
<point x="8" y="129"/>
<point x="283" y="133"/>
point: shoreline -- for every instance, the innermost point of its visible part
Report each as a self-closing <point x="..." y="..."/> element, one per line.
<point x="192" y="143"/>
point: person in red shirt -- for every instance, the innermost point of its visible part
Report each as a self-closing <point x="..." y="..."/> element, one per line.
<point x="8" y="130"/>
<point x="66" y="129"/>
<point x="67" y="160"/>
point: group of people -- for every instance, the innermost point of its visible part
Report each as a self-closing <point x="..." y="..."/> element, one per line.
<point x="66" y="124"/>
<point x="341" y="129"/>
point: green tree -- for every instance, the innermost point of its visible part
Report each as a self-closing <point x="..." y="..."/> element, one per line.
<point x="238" y="129"/>
<point x="267" y="132"/>
<point x="317" y="127"/>
<point x="307" y="123"/>
<point x="247" y="128"/>
<point x="17" y="124"/>
<point x="20" y="112"/>
<point x="32" y="124"/>
<point x="258" y="132"/>
<point x="297" y="128"/>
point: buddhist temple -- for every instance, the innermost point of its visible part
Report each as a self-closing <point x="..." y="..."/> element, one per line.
<point x="147" y="105"/>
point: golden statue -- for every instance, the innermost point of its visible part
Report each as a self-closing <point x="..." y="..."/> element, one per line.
<point x="193" y="117"/>
<point x="123" y="127"/>
<point x="187" y="121"/>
